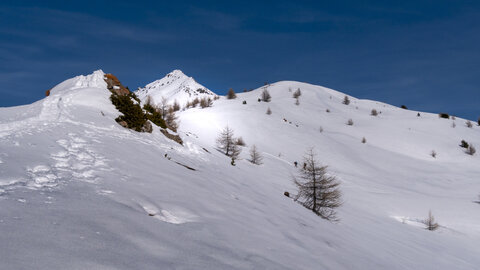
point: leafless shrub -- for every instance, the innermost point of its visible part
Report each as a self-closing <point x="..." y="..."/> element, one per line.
<point x="430" y="223"/>
<point x="255" y="156"/>
<point x="240" y="141"/>
<point x="231" y="94"/>
<point x="350" y="122"/>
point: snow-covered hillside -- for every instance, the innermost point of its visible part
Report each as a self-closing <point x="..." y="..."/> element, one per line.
<point x="79" y="191"/>
<point x="175" y="86"/>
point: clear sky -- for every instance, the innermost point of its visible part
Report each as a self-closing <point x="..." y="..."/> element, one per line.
<point x="423" y="54"/>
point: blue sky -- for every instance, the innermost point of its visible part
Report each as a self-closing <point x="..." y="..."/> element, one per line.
<point x="424" y="54"/>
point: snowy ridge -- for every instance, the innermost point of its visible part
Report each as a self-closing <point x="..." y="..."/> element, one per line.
<point x="174" y="86"/>
<point x="79" y="191"/>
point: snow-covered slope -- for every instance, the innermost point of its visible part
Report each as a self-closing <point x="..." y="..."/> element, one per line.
<point x="174" y="86"/>
<point x="79" y="191"/>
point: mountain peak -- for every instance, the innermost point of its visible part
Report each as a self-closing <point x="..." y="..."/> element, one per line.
<point x="174" y="86"/>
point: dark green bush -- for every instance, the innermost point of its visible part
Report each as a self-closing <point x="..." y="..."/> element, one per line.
<point x="132" y="112"/>
<point x="444" y="115"/>
<point x="464" y="144"/>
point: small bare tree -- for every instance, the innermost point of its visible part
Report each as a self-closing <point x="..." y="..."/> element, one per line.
<point x="163" y="107"/>
<point x="430" y="223"/>
<point x="227" y="143"/>
<point x="346" y="100"/>
<point x="176" y="105"/>
<point x="269" y="111"/>
<point x="231" y="94"/>
<point x="350" y="122"/>
<point x="266" y="96"/>
<point x="433" y="154"/>
<point x="374" y="112"/>
<point x="364" y="140"/>
<point x="297" y="93"/>
<point x="297" y="102"/>
<point x="316" y="190"/>
<point x="469" y="124"/>
<point x="171" y="119"/>
<point x="255" y="156"/>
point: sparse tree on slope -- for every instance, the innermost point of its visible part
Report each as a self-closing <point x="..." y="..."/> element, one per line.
<point x="171" y="119"/>
<point x="226" y="142"/>
<point x="346" y="100"/>
<point x="163" y="107"/>
<point x="297" y="93"/>
<point x="255" y="156"/>
<point x="231" y="94"/>
<point x="316" y="190"/>
<point x="266" y="96"/>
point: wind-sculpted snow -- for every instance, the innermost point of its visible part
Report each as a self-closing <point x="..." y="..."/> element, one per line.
<point x="78" y="191"/>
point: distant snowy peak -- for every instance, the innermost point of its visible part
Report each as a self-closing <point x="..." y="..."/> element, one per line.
<point x="174" y="86"/>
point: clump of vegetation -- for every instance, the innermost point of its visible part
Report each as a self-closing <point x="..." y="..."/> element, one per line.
<point x="469" y="124"/>
<point x="206" y="102"/>
<point x="374" y="112"/>
<point x="364" y="140"/>
<point x="133" y="116"/>
<point x="266" y="96"/>
<point x="269" y="111"/>
<point x="464" y="144"/>
<point x="231" y="94"/>
<point x="350" y="122"/>
<point x="255" y="156"/>
<point x="444" y="115"/>
<point x="346" y="100"/>
<point x="433" y="154"/>
<point x="297" y="93"/>
<point x="240" y="142"/>
<point x="404" y="107"/>
<point x="317" y="191"/>
<point x="478" y="121"/>
<point x="430" y="223"/>
<point x="154" y="115"/>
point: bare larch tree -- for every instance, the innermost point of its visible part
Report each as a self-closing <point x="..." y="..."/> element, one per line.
<point x="255" y="156"/>
<point x="226" y="142"/>
<point x="318" y="191"/>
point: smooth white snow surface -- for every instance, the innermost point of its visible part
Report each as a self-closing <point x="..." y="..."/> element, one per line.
<point x="79" y="191"/>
